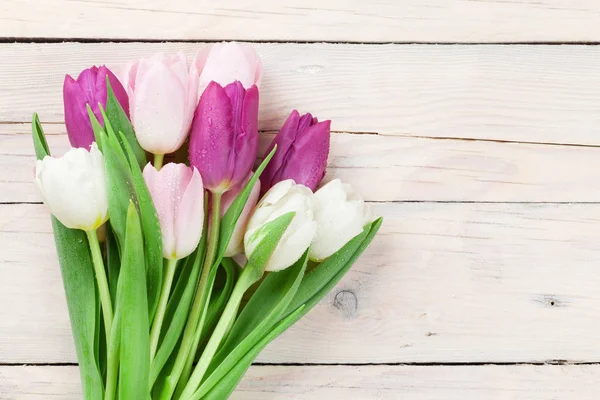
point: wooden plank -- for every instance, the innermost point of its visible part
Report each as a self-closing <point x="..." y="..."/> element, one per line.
<point x="522" y="382"/>
<point x="516" y="93"/>
<point x="312" y="20"/>
<point x="440" y="283"/>
<point x="388" y="168"/>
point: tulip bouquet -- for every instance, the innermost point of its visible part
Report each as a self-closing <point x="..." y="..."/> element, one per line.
<point x="178" y="274"/>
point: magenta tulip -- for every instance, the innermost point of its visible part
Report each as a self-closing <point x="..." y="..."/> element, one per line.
<point x="178" y="196"/>
<point x="224" y="136"/>
<point x="89" y="88"/>
<point x="302" y="151"/>
<point x="236" y="243"/>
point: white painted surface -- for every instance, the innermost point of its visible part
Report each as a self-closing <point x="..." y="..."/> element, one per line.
<point x="511" y="281"/>
<point x="314" y="20"/>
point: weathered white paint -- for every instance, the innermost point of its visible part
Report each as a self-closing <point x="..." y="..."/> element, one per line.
<point x="440" y="283"/>
<point x="518" y="93"/>
<point x="313" y="20"/>
<point x="389" y="168"/>
<point x="490" y="382"/>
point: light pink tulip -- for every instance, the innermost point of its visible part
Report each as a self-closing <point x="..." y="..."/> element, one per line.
<point x="236" y="244"/>
<point x="163" y="94"/>
<point x="178" y="195"/>
<point x="227" y="62"/>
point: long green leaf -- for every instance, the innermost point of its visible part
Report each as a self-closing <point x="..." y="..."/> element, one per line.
<point x="220" y="389"/>
<point x="178" y="308"/>
<point x="78" y="279"/>
<point x="79" y="283"/>
<point x="151" y="229"/>
<point x="311" y="292"/>
<point x="261" y="313"/>
<point x="39" y="139"/>
<point x="113" y="262"/>
<point x="120" y="123"/>
<point x="133" y="306"/>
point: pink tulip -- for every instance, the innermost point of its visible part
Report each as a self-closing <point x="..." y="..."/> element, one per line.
<point x="89" y="88"/>
<point x="228" y="62"/>
<point x="178" y="196"/>
<point x="236" y="243"/>
<point x="302" y="151"/>
<point x="163" y="93"/>
<point x="224" y="137"/>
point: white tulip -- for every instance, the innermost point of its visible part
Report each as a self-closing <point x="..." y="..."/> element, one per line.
<point x="74" y="187"/>
<point x="283" y="198"/>
<point x="341" y="214"/>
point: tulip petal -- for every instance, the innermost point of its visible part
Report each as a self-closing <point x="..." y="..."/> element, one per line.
<point x="226" y="63"/>
<point x="158" y="108"/>
<point x="212" y="137"/>
<point x="190" y="216"/>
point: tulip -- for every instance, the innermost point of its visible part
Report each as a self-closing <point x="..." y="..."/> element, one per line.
<point x="302" y="151"/>
<point x="284" y="197"/>
<point x="236" y="243"/>
<point x="224" y="137"/>
<point x="74" y="187"/>
<point x="163" y="93"/>
<point x="178" y="196"/>
<point x="341" y="214"/>
<point x="88" y="89"/>
<point x="225" y="63"/>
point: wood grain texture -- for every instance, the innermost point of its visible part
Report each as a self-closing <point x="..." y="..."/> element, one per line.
<point x="516" y="93"/>
<point x="523" y="382"/>
<point x="388" y="168"/>
<point x="440" y="283"/>
<point x="311" y="20"/>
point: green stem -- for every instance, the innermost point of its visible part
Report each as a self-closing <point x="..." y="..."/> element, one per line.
<point x="105" y="301"/>
<point x="200" y="298"/>
<point x="162" y="307"/>
<point x="246" y="280"/>
<point x="158" y="161"/>
<point x="112" y="364"/>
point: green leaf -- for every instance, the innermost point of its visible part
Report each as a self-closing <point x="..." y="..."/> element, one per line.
<point x="267" y="237"/>
<point x="235" y="210"/>
<point x="77" y="272"/>
<point x="220" y="388"/>
<point x="113" y="262"/>
<point x="119" y="179"/>
<point x="325" y="276"/>
<point x="133" y="309"/>
<point x="39" y="139"/>
<point x="151" y="228"/>
<point x="78" y="279"/>
<point x="261" y="313"/>
<point x="178" y="308"/>
<point x="120" y="123"/>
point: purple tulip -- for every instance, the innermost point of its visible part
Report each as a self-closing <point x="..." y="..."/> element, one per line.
<point x="89" y="88"/>
<point x="224" y="136"/>
<point x="302" y="151"/>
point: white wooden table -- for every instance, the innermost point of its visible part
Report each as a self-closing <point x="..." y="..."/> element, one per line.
<point x="472" y="126"/>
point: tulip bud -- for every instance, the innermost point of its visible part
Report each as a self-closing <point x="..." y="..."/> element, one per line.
<point x="341" y="214"/>
<point x="89" y="88"/>
<point x="178" y="197"/>
<point x="236" y="243"/>
<point x="74" y="187"/>
<point x="224" y="137"/>
<point x="281" y="199"/>
<point x="302" y="151"/>
<point x="228" y="62"/>
<point x="163" y="93"/>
